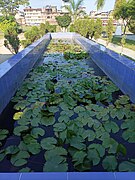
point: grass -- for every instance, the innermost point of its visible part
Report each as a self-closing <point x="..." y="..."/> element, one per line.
<point x="130" y="44"/>
<point x="26" y="28"/>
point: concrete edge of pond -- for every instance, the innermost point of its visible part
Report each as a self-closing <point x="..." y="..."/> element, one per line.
<point x="14" y="70"/>
<point x="119" y="69"/>
<point x="69" y="176"/>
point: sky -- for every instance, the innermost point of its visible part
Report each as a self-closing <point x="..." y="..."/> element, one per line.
<point x="89" y="4"/>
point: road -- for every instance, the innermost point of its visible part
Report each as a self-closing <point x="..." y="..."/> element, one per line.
<point x="118" y="49"/>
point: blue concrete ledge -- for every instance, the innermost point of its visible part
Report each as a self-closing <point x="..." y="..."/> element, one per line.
<point x="68" y="176"/>
<point x="119" y="69"/>
<point x="14" y="70"/>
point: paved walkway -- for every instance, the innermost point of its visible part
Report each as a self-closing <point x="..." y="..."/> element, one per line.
<point x="118" y="49"/>
<point x="4" y="52"/>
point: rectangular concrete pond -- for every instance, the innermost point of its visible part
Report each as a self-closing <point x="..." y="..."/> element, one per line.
<point x="67" y="115"/>
<point x="118" y="68"/>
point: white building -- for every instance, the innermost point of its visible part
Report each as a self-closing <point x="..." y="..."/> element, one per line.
<point x="36" y="16"/>
<point x="64" y="3"/>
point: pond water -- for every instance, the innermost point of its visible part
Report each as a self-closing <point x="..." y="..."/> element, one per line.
<point x="67" y="116"/>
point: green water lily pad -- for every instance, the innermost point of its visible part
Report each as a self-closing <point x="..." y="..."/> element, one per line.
<point x="99" y="148"/>
<point x="19" y="129"/>
<point x="110" y="163"/>
<point x="79" y="109"/>
<point x="21" y="105"/>
<point x="25" y="170"/>
<point x="93" y="156"/>
<point x="89" y="134"/>
<point x="51" y="167"/>
<point x="20" y="158"/>
<point x="59" y="127"/>
<point x="121" y="149"/>
<point x="11" y="150"/>
<point x="129" y="136"/>
<point x="34" y="148"/>
<point x="47" y="121"/>
<point x="53" y="109"/>
<point x="78" y="157"/>
<point x="57" y="151"/>
<point x="63" y="118"/>
<point x="17" y="115"/>
<point x="48" y="143"/>
<point x="2" y="155"/>
<point x="77" y="142"/>
<point x="127" y="166"/>
<point x="111" y="127"/>
<point x="36" y="132"/>
<point x="3" y="134"/>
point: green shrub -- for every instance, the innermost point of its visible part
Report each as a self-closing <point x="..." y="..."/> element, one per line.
<point x="31" y="35"/>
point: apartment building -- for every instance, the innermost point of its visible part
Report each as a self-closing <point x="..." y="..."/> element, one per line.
<point x="64" y="3"/>
<point x="36" y="16"/>
<point x="104" y="16"/>
<point x="20" y="18"/>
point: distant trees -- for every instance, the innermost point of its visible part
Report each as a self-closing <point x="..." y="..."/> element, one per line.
<point x="88" y="27"/>
<point x="63" y="21"/>
<point x="125" y="10"/>
<point x="97" y="29"/>
<point x="34" y="33"/>
<point x="45" y="28"/>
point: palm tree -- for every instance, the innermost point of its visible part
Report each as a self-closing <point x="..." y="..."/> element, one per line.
<point x="74" y="9"/>
<point x="100" y="3"/>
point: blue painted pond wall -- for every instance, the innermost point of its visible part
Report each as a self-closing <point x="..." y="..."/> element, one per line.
<point x="119" y="69"/>
<point x="14" y="70"/>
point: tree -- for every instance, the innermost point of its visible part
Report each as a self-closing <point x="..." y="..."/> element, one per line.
<point x="88" y="27"/>
<point x="11" y="41"/>
<point x="109" y="30"/>
<point x="97" y="29"/>
<point x="131" y="26"/>
<point x="10" y="7"/>
<point x="10" y="30"/>
<point x="9" y="18"/>
<point x="42" y="29"/>
<point x="31" y="36"/>
<point x="124" y="10"/>
<point x="85" y="27"/>
<point x="63" y="21"/>
<point x="100" y="3"/>
<point x="74" y="9"/>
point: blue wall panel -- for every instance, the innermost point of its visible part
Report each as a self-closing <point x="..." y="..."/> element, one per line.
<point x="119" y="69"/>
<point x="14" y="70"/>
